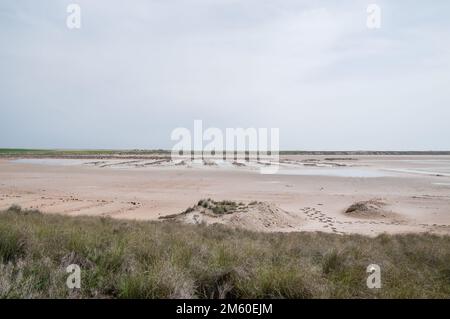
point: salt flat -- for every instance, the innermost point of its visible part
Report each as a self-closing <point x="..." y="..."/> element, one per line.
<point x="313" y="191"/>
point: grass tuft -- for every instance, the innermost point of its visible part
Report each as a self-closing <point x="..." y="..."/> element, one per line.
<point x="131" y="259"/>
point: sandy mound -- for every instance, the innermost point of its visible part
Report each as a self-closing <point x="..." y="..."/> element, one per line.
<point x="257" y="216"/>
<point x="373" y="208"/>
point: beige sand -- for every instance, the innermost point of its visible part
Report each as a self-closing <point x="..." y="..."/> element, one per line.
<point x="312" y="192"/>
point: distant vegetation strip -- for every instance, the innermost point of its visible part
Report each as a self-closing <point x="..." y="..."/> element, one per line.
<point x="11" y="152"/>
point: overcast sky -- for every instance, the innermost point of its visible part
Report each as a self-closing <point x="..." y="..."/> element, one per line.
<point x="138" y="69"/>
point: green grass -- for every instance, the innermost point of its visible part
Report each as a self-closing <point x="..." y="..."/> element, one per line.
<point x="137" y="152"/>
<point x="21" y="151"/>
<point x="219" y="207"/>
<point x="70" y="152"/>
<point x="130" y="259"/>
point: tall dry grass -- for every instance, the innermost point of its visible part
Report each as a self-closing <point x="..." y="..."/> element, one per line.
<point x="127" y="259"/>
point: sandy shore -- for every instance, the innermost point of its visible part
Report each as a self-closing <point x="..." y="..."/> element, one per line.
<point x="311" y="193"/>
